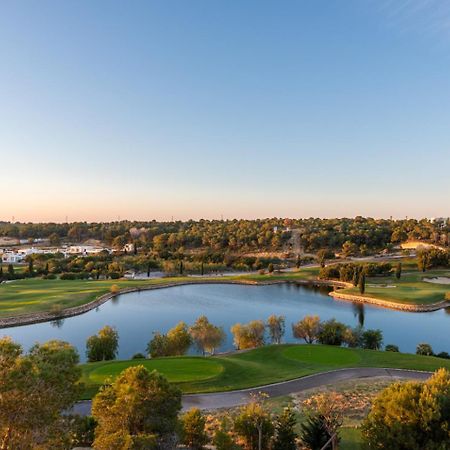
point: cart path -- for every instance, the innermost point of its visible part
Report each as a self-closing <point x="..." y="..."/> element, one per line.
<point x="229" y="399"/>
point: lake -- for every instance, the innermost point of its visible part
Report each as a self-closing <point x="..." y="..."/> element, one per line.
<point x="137" y="315"/>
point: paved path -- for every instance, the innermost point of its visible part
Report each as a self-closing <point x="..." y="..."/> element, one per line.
<point x="235" y="398"/>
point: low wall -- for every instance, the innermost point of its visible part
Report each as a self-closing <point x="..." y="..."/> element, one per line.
<point x="387" y="304"/>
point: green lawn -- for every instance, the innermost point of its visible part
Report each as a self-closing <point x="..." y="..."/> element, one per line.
<point x="409" y="289"/>
<point x="265" y="365"/>
<point x="37" y="295"/>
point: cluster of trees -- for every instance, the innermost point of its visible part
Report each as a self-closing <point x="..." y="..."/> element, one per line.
<point x="203" y="334"/>
<point x="350" y="236"/>
<point x="432" y="257"/>
<point x="141" y="410"/>
<point x="351" y="272"/>
<point x="426" y="350"/>
<point x="411" y="415"/>
<point x="331" y="332"/>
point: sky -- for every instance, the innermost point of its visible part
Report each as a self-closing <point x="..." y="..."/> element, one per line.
<point x="215" y="108"/>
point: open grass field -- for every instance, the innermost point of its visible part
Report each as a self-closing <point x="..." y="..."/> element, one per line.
<point x="409" y="289"/>
<point x="37" y="295"/>
<point x="257" y="367"/>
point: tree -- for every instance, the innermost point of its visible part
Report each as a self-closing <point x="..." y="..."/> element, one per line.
<point x="206" y="336"/>
<point x="35" y="389"/>
<point x="308" y="329"/>
<point x="423" y="260"/>
<point x="372" y="339"/>
<point x="362" y="282"/>
<point x="398" y="271"/>
<point x="353" y="337"/>
<point x="137" y="411"/>
<point x="254" y="425"/>
<point x="10" y="270"/>
<point x="250" y="335"/>
<point x="158" y="346"/>
<point x="54" y="240"/>
<point x="193" y="425"/>
<point x="325" y="417"/>
<point x="411" y="415"/>
<point x="270" y="268"/>
<point x="103" y="346"/>
<point x="424" y="349"/>
<point x="332" y="332"/>
<point x="285" y="435"/>
<point x="175" y="343"/>
<point x="276" y="326"/>
<point x="179" y="339"/>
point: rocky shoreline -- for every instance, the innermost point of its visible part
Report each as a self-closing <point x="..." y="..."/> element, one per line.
<point x="387" y="304"/>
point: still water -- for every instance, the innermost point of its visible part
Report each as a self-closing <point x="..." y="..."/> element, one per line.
<point x="137" y="315"/>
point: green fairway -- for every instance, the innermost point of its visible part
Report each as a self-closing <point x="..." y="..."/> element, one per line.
<point x="409" y="289"/>
<point x="261" y="366"/>
<point x="37" y="295"/>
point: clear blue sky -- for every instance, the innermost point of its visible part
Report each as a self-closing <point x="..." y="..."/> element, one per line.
<point x="152" y="109"/>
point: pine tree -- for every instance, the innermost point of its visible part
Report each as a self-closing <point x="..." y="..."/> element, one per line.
<point x="362" y="282"/>
<point x="285" y="436"/>
<point x="398" y="271"/>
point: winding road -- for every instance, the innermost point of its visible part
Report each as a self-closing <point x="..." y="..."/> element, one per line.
<point x="230" y="399"/>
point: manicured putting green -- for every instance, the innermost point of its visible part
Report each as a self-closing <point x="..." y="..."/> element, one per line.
<point x="329" y="356"/>
<point x="176" y="370"/>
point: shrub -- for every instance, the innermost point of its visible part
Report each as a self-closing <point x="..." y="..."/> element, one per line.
<point x="114" y="275"/>
<point x="114" y="289"/>
<point x="443" y="355"/>
<point x="424" y="349"/>
<point x="411" y="415"/>
<point x="193" y="429"/>
<point x="391" y="348"/>
<point x="138" y="356"/>
<point x="50" y="276"/>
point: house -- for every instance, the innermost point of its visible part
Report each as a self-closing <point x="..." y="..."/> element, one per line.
<point x="11" y="257"/>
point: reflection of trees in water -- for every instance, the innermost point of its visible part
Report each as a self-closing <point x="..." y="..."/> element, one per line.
<point x="115" y="300"/>
<point x="447" y="310"/>
<point x="359" y="312"/>
<point x="58" y="323"/>
<point x="311" y="287"/>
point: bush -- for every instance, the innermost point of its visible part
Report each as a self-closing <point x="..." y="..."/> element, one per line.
<point x="193" y="429"/>
<point x="391" y="348"/>
<point x="114" y="289"/>
<point x="114" y="275"/>
<point x="138" y="356"/>
<point x="411" y="415"/>
<point x="443" y="355"/>
<point x="68" y="276"/>
<point x="82" y="431"/>
<point x="50" y="276"/>
<point x="424" y="349"/>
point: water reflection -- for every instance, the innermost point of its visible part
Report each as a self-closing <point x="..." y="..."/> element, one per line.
<point x="138" y="314"/>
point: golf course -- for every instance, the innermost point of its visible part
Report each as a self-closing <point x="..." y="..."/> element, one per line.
<point x="36" y="295"/>
<point x="265" y="365"/>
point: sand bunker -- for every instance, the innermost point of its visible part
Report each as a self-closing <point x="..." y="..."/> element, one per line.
<point x="438" y="280"/>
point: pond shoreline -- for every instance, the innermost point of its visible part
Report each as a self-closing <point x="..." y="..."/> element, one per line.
<point x="29" y="319"/>
<point x="338" y="295"/>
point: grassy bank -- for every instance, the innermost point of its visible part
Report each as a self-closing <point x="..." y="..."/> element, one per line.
<point x="36" y="295"/>
<point x="410" y="289"/>
<point x="261" y="366"/>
